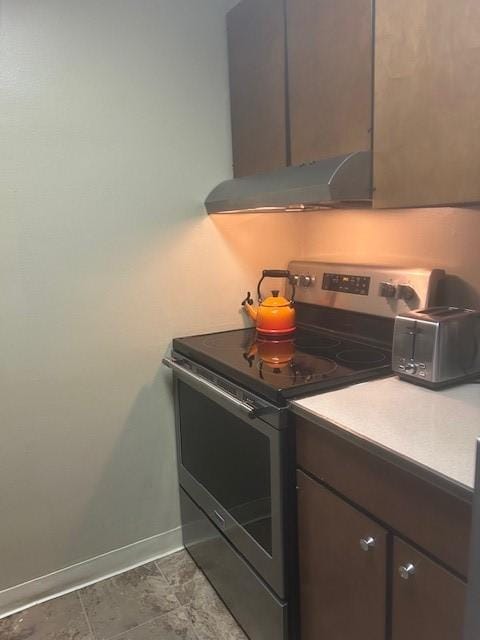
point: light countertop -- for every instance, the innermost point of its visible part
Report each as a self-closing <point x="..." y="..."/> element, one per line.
<point x="435" y="430"/>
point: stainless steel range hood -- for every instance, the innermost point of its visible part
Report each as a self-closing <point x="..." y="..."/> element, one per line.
<point x="342" y="181"/>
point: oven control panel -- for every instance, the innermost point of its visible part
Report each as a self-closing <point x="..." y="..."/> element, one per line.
<point x="358" y="285"/>
<point x="371" y="289"/>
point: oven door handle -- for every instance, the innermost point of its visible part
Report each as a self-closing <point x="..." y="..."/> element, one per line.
<point x="209" y="389"/>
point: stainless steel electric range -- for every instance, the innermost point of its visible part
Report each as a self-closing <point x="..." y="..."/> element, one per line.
<point x="236" y="449"/>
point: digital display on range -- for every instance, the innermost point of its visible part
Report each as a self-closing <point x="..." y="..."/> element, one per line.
<point x="358" y="285"/>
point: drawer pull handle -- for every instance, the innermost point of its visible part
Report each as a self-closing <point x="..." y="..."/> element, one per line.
<point x="367" y="543"/>
<point x="407" y="570"/>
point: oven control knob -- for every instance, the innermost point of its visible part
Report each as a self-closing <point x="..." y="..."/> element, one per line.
<point x="406" y="292"/>
<point x="387" y="290"/>
<point x="307" y="281"/>
<point x="411" y="368"/>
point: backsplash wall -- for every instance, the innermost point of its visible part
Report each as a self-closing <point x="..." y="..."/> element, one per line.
<point x="448" y="238"/>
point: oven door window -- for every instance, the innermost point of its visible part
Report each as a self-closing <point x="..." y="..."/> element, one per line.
<point x="230" y="458"/>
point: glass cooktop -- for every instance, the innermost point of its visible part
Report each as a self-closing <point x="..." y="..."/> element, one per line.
<point x="279" y="368"/>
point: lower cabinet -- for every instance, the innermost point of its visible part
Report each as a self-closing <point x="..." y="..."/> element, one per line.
<point x="358" y="581"/>
<point x="343" y="567"/>
<point x="428" y="601"/>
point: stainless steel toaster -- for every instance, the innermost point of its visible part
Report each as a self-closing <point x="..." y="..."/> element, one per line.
<point x="437" y="347"/>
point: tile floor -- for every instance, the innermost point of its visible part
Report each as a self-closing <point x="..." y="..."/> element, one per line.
<point x="169" y="599"/>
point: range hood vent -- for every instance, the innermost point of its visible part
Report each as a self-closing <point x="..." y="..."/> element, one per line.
<point x="342" y="181"/>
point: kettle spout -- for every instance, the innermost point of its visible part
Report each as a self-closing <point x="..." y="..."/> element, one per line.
<point x="247" y="304"/>
<point x="251" y="311"/>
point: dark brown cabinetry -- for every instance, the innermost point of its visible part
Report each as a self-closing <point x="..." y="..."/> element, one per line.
<point x="419" y="510"/>
<point x="330" y="77"/>
<point x="395" y="590"/>
<point x="256" y="48"/>
<point x="428" y="601"/>
<point x="343" y="563"/>
<point x="301" y="83"/>
<point x="427" y="100"/>
<point x="327" y="110"/>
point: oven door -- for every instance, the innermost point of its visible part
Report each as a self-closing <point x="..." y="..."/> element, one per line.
<point x="232" y="464"/>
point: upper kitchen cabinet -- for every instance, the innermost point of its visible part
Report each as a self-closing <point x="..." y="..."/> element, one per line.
<point x="257" y="63"/>
<point x="427" y="102"/>
<point x="313" y="80"/>
<point x="330" y="62"/>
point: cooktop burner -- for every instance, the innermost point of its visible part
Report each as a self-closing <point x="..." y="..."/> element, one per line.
<point x="298" y="369"/>
<point x="361" y="356"/>
<point x="279" y="368"/>
<point x="304" y="343"/>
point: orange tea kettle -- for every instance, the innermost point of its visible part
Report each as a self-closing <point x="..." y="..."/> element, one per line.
<point x="274" y="315"/>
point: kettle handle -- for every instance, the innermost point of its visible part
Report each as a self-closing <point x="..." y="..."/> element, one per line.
<point x="276" y="273"/>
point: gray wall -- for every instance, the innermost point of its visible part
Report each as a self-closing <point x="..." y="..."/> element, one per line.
<point x="114" y="126"/>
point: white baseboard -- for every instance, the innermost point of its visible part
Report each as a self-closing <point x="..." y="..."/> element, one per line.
<point x="88" y="572"/>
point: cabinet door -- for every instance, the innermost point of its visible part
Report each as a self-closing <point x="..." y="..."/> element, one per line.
<point x="427" y="101"/>
<point x="342" y="586"/>
<point x="428" y="601"/>
<point x="330" y="60"/>
<point x="256" y="49"/>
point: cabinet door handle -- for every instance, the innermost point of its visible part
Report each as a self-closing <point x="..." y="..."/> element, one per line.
<point x="367" y="543"/>
<point x="406" y="570"/>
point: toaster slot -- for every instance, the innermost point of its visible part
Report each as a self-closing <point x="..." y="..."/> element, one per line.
<point x="404" y="344"/>
<point x="412" y="332"/>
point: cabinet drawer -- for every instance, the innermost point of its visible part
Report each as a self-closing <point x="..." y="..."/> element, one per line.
<point x="342" y="585"/>
<point x="425" y="514"/>
<point x="428" y="602"/>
